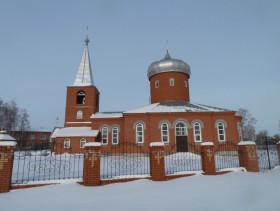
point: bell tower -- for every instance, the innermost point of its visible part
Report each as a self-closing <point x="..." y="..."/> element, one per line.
<point x="82" y="98"/>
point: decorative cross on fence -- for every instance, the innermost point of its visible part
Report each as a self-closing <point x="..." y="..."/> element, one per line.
<point x="209" y="154"/>
<point x="158" y="155"/>
<point x="251" y="152"/>
<point x="92" y="156"/>
<point x="3" y="159"/>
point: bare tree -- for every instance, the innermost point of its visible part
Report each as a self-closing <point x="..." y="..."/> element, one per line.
<point x="23" y="121"/>
<point x="247" y="124"/>
<point x="23" y="124"/>
<point x="12" y="118"/>
<point x="8" y="115"/>
<point x="262" y="134"/>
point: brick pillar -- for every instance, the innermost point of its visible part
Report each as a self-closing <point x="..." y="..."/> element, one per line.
<point x="157" y="164"/>
<point x="278" y="150"/>
<point x="247" y="152"/>
<point x="92" y="164"/>
<point x="208" y="158"/>
<point x="6" y="164"/>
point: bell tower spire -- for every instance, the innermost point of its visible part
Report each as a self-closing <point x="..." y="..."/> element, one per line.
<point x="84" y="74"/>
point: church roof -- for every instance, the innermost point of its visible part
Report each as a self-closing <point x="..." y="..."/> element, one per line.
<point x="176" y="106"/>
<point x="168" y="64"/>
<point x="74" y="132"/>
<point x="84" y="74"/>
<point x="99" y="115"/>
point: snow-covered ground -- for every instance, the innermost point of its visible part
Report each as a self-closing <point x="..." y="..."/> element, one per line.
<point x="237" y="191"/>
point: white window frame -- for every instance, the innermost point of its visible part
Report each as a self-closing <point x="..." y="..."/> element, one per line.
<point x="157" y="84"/>
<point x="115" y="135"/>
<point x="67" y="143"/>
<point x="197" y="132"/>
<point x="139" y="132"/>
<point x="164" y="132"/>
<point x="179" y="130"/>
<point x="79" y="114"/>
<point x="221" y="131"/>
<point x="104" y="135"/>
<point x="240" y="132"/>
<point x="83" y="141"/>
<point x="171" y="82"/>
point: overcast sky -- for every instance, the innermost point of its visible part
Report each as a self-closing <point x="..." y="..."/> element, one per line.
<point x="231" y="46"/>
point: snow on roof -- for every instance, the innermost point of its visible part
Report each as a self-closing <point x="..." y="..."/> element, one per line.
<point x="208" y="143"/>
<point x="5" y="137"/>
<point x="8" y="143"/>
<point x="74" y="132"/>
<point x="92" y="144"/>
<point x="176" y="106"/>
<point x="107" y="115"/>
<point x="247" y="143"/>
<point x="156" y="144"/>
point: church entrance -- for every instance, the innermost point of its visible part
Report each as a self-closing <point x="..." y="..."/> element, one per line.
<point x="181" y="137"/>
<point x="182" y="143"/>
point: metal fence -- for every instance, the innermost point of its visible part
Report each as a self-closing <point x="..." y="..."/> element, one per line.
<point x="267" y="153"/>
<point x="226" y="156"/>
<point x="182" y="162"/>
<point x="125" y="160"/>
<point x="39" y="164"/>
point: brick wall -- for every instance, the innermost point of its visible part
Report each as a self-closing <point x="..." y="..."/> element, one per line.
<point x="6" y="167"/>
<point x="166" y="92"/>
<point x="248" y="156"/>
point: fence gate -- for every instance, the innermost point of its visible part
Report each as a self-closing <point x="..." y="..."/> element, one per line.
<point x="182" y="162"/>
<point x="267" y="153"/>
<point x="125" y="160"/>
<point x="39" y="163"/>
<point x="226" y="156"/>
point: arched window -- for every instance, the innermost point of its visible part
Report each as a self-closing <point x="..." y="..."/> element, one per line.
<point x="81" y="97"/>
<point x="221" y="131"/>
<point x="83" y="141"/>
<point x="164" y="133"/>
<point x="79" y="115"/>
<point x="115" y="135"/>
<point x="104" y="134"/>
<point x="67" y="143"/>
<point x="185" y="83"/>
<point x="197" y="132"/>
<point x="171" y="81"/>
<point x="139" y="133"/>
<point x="181" y="129"/>
<point x="157" y="84"/>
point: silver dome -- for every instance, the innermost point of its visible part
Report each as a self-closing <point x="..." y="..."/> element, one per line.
<point x="167" y="64"/>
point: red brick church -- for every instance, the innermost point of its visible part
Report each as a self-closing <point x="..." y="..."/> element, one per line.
<point x="170" y="117"/>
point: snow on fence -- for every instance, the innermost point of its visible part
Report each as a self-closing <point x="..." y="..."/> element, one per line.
<point x="42" y="165"/>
